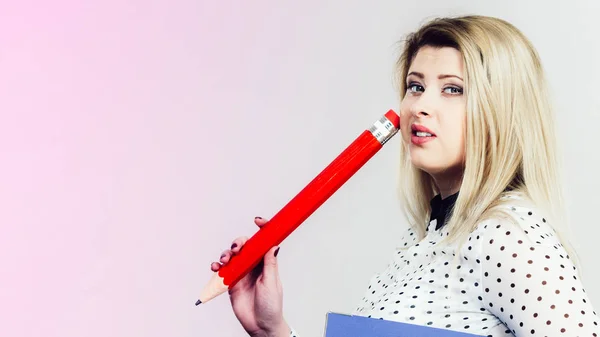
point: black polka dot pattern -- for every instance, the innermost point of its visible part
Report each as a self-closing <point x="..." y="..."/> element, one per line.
<point x="510" y="278"/>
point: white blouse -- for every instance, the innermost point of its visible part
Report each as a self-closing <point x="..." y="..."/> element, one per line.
<point x="508" y="279"/>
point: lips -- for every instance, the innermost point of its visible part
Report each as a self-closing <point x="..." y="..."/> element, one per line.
<point x="420" y="128"/>
<point x="416" y="128"/>
<point x="421" y="135"/>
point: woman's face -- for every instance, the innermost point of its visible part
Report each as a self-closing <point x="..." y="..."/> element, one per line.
<point x="433" y="112"/>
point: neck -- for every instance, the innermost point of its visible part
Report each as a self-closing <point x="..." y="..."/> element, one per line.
<point x="446" y="192"/>
<point x="447" y="184"/>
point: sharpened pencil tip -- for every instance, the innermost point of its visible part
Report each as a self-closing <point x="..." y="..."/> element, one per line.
<point x="198" y="302"/>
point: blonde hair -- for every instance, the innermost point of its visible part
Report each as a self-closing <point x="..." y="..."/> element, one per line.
<point x="510" y="145"/>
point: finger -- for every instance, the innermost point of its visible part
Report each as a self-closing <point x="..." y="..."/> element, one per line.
<point x="260" y="221"/>
<point x="271" y="268"/>
<point x="237" y="244"/>
<point x="215" y="266"/>
<point x="225" y="256"/>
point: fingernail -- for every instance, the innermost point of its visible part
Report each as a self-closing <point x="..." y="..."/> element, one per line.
<point x="258" y="217"/>
<point x="276" y="251"/>
<point x="233" y="245"/>
<point x="222" y="256"/>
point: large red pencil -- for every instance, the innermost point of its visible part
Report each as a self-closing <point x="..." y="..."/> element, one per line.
<point x="344" y="166"/>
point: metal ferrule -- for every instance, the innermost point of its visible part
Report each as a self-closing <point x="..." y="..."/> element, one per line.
<point x="383" y="130"/>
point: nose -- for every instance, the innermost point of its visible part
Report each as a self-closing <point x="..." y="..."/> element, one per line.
<point x="420" y="107"/>
<point x="419" y="110"/>
<point x="419" y="113"/>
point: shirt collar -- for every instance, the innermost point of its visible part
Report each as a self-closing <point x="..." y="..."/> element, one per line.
<point x="440" y="208"/>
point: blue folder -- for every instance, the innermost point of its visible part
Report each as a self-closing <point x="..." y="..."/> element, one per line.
<point x="342" y="325"/>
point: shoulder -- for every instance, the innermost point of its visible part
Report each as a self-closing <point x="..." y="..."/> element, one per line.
<point x="518" y="222"/>
<point x="522" y="238"/>
<point x="528" y="279"/>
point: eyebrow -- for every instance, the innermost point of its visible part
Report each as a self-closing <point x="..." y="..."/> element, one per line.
<point x="442" y="76"/>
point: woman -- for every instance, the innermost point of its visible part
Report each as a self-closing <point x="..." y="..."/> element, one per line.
<point x="481" y="193"/>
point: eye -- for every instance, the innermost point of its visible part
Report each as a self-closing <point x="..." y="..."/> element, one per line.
<point x="413" y="87"/>
<point x="453" y="90"/>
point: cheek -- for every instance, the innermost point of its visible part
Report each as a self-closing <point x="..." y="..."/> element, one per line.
<point x="404" y="122"/>
<point x="456" y="144"/>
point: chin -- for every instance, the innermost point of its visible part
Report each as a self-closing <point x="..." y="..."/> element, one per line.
<point x="421" y="160"/>
<point x="439" y="169"/>
<point x="426" y="164"/>
<point x="431" y="170"/>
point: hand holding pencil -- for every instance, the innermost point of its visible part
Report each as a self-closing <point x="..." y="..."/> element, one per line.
<point x="257" y="299"/>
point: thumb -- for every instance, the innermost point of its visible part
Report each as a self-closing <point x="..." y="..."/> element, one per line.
<point x="271" y="268"/>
